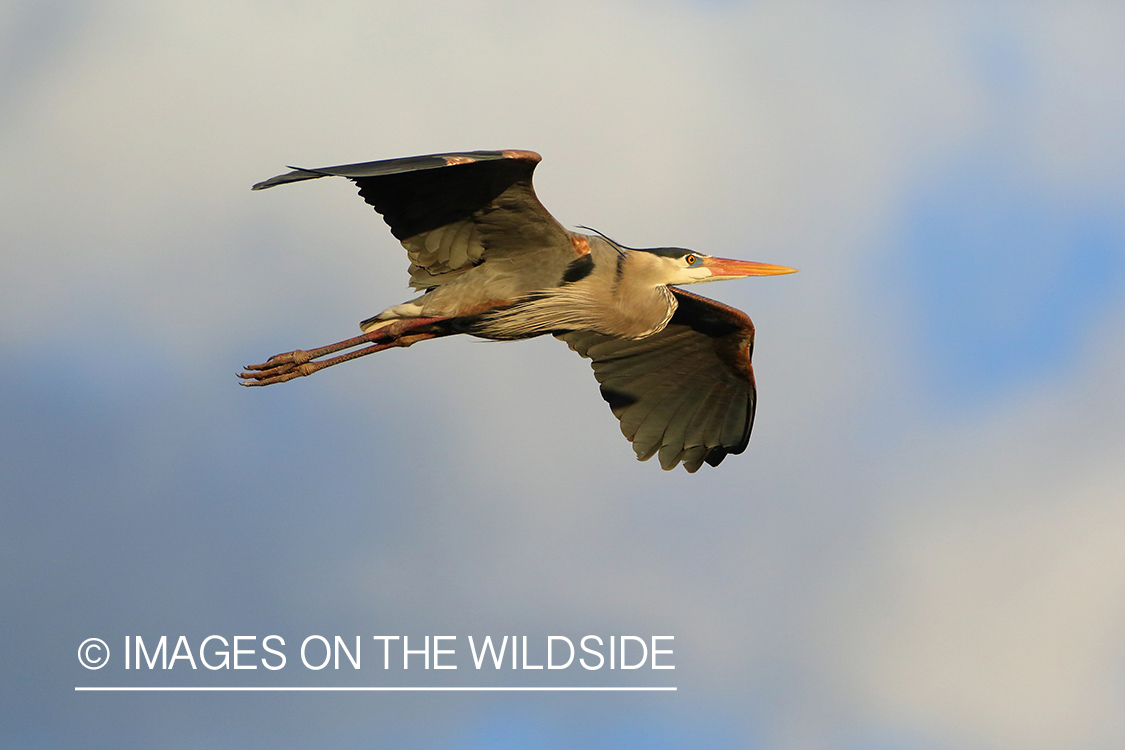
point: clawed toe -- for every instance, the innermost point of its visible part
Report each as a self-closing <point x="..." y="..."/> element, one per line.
<point x="269" y="377"/>
<point x="290" y="359"/>
<point x="278" y="369"/>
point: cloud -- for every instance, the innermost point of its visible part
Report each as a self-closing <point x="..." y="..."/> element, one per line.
<point x="1000" y="624"/>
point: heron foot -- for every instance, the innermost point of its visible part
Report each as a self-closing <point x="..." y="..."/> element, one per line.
<point x="279" y="368"/>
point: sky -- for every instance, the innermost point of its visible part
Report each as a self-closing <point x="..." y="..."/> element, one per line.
<point x="923" y="547"/>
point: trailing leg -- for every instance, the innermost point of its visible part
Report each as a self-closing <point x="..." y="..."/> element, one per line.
<point x="298" y="363"/>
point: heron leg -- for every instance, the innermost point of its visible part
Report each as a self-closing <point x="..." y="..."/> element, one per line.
<point x="298" y="363"/>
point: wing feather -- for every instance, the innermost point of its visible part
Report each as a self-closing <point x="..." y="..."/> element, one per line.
<point x="693" y="458"/>
<point x="649" y="392"/>
<point x="452" y="211"/>
<point x="675" y="443"/>
<point x="687" y="392"/>
<point x="653" y="428"/>
<point x="700" y="427"/>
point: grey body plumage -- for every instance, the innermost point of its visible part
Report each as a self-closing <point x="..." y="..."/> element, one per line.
<point x="602" y="300"/>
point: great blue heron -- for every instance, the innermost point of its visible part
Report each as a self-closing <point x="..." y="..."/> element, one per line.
<point x="493" y="263"/>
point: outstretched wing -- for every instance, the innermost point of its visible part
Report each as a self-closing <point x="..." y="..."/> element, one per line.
<point x="686" y="392"/>
<point x="452" y="211"/>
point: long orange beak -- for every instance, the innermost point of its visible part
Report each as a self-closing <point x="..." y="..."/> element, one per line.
<point x="737" y="269"/>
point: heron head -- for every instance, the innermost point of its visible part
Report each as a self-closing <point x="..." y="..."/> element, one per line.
<point x="678" y="265"/>
<point x="682" y="266"/>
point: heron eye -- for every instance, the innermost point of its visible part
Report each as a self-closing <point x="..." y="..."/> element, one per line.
<point x="691" y="259"/>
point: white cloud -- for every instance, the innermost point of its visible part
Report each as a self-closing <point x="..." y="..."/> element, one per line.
<point x="998" y="620"/>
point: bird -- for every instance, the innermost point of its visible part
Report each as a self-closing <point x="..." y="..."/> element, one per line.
<point x="491" y="262"/>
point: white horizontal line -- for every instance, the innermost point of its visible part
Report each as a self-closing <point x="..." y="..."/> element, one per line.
<point x="381" y="689"/>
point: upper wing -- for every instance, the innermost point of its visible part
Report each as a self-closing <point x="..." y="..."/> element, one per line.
<point x="451" y="211"/>
<point x="686" y="392"/>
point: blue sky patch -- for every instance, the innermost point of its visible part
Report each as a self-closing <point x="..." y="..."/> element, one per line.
<point x="1006" y="279"/>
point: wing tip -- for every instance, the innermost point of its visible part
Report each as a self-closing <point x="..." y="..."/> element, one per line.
<point x="410" y="163"/>
<point x="521" y="154"/>
<point x="298" y="174"/>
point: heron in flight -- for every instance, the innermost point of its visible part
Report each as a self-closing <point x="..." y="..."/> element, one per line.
<point x="491" y="262"/>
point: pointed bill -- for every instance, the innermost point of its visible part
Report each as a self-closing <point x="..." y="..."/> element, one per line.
<point x="737" y="269"/>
